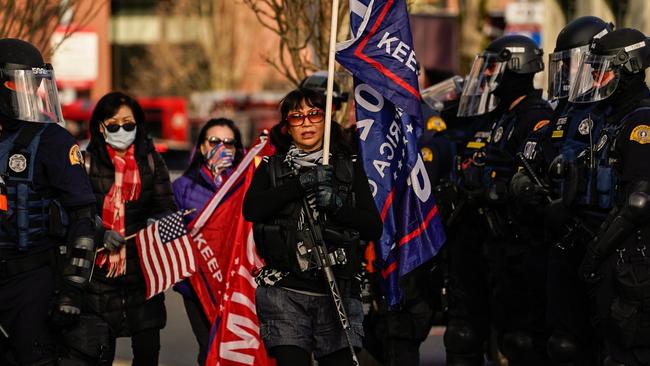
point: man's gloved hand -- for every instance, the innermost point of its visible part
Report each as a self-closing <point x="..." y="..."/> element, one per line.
<point x="525" y="191"/>
<point x="588" y="270"/>
<point x="113" y="240"/>
<point x="318" y="175"/>
<point x="327" y="200"/>
<point x="67" y="306"/>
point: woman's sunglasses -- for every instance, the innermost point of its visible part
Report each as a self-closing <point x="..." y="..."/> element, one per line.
<point x="112" y="128"/>
<point x="298" y="119"/>
<point x="214" y="141"/>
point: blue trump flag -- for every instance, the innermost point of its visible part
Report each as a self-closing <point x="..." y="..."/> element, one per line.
<point x="382" y="60"/>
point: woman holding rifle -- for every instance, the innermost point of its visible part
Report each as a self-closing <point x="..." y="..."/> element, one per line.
<point x="291" y="198"/>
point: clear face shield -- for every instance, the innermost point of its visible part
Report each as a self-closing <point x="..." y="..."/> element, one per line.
<point x="31" y="94"/>
<point x="596" y="80"/>
<point x="485" y="75"/>
<point x="445" y="91"/>
<point x="562" y="70"/>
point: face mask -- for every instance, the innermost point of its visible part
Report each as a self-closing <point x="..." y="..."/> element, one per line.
<point x="121" y="139"/>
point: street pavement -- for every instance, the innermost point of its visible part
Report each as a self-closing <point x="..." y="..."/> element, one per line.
<point x="179" y="348"/>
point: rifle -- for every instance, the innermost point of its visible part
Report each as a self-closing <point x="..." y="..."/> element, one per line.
<point x="572" y="228"/>
<point x="324" y="261"/>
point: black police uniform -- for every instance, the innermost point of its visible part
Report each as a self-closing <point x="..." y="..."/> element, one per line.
<point x="28" y="274"/>
<point x="510" y="263"/>
<point x="469" y="321"/>
<point x="47" y="203"/>
<point x="516" y="248"/>
<point x="623" y="295"/>
<point x="615" y="261"/>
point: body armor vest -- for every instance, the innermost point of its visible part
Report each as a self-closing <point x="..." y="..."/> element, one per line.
<point x="284" y="240"/>
<point x="27" y="221"/>
<point x="592" y="180"/>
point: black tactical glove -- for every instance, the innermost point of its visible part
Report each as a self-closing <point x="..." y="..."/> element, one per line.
<point x="327" y="200"/>
<point x="588" y="270"/>
<point x="525" y="191"/>
<point x="67" y="306"/>
<point x="318" y="175"/>
<point x="113" y="240"/>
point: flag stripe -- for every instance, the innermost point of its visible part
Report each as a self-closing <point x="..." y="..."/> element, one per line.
<point x="421" y="228"/>
<point x="173" y="252"/>
<point x="155" y="260"/>
<point x="145" y="259"/>
<point x="181" y="248"/>
<point x="163" y="261"/>
<point x="189" y="261"/>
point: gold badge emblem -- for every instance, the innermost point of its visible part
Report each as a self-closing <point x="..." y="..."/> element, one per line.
<point x="436" y="123"/>
<point x="641" y="134"/>
<point x="427" y="154"/>
<point x="75" y="155"/>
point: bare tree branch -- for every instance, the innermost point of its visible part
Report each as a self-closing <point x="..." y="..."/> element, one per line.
<point x="303" y="27"/>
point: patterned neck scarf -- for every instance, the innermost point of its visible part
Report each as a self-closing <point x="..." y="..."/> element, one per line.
<point x="126" y="188"/>
<point x="297" y="158"/>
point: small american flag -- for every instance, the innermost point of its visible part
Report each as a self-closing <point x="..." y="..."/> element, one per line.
<point x="166" y="253"/>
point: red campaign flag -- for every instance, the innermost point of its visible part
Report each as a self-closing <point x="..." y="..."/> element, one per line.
<point x="224" y="284"/>
<point x="166" y="253"/>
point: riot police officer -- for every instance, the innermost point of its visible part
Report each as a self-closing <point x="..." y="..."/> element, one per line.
<point x="616" y="262"/>
<point x="45" y="200"/>
<point x="571" y="218"/>
<point x="501" y="80"/>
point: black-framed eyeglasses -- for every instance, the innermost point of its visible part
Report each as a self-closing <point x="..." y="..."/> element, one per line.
<point x="214" y="141"/>
<point x="114" y="127"/>
<point x="298" y="119"/>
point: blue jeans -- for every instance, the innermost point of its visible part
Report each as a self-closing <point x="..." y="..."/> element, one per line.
<point x="289" y="318"/>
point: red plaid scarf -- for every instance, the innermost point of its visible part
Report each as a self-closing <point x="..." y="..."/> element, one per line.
<point x="125" y="188"/>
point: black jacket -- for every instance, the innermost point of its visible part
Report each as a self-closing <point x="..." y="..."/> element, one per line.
<point x="121" y="301"/>
<point x="264" y="202"/>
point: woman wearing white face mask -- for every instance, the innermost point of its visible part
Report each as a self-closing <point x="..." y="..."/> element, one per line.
<point x="131" y="184"/>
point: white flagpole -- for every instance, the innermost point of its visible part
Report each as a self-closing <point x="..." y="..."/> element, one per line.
<point x="330" y="81"/>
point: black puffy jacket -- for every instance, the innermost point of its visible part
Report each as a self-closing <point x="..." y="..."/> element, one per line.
<point x="121" y="300"/>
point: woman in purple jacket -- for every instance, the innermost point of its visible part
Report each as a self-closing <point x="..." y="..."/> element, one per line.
<point x="217" y="152"/>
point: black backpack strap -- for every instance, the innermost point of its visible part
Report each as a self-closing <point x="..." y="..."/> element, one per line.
<point x="27" y="134"/>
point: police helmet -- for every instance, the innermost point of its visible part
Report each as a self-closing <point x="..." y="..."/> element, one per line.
<point x="514" y="53"/>
<point x="623" y="51"/>
<point x="318" y="81"/>
<point x="28" y="90"/>
<point x="580" y="32"/>
<point x="521" y="54"/>
<point x="572" y="42"/>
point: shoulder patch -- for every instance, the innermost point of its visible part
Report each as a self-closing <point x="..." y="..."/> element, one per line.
<point x="75" y="155"/>
<point x="641" y="134"/>
<point x="539" y="125"/>
<point x="427" y="154"/>
<point x="436" y="123"/>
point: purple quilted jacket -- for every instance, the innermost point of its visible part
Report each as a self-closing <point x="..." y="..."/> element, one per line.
<point x="192" y="190"/>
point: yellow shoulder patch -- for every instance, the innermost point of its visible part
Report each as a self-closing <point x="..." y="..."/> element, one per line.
<point x="557" y="134"/>
<point x="427" y="154"/>
<point x="540" y="124"/>
<point x="641" y="134"/>
<point x="75" y="155"/>
<point x="436" y="123"/>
